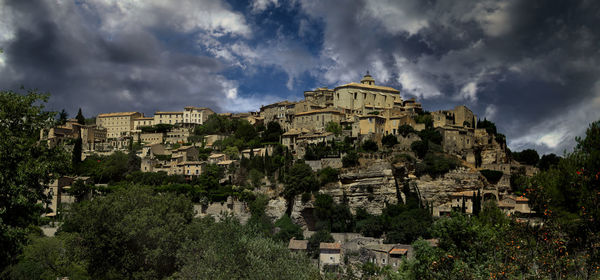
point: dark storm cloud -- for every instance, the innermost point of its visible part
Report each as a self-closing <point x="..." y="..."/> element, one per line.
<point x="531" y="66"/>
<point x="56" y="50"/>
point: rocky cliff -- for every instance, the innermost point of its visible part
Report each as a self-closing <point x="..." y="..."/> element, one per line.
<point x="370" y="187"/>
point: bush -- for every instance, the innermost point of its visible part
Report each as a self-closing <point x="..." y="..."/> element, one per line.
<point x="328" y="175"/>
<point x="431" y="135"/>
<point x="420" y="148"/>
<point x="436" y="165"/>
<point x="528" y="156"/>
<point x="370" y="146"/>
<point x="389" y="140"/>
<point x="405" y="130"/>
<point x="287" y="229"/>
<point x="492" y="176"/>
<point x="350" y="160"/>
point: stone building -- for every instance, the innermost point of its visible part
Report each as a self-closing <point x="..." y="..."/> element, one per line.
<point x="151" y="138"/>
<point x="355" y="96"/>
<point x="281" y="112"/>
<point x="168" y="118"/>
<point x="330" y="256"/>
<point x="460" y="116"/>
<point x="196" y="115"/>
<point x="141" y="122"/>
<point x="317" y="120"/>
<point x="119" y="124"/>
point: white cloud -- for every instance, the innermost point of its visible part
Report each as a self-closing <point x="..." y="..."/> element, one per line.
<point x="557" y="133"/>
<point x="212" y="16"/>
<point x="261" y="5"/>
<point x="397" y="16"/>
<point x="469" y="91"/>
<point x="412" y="81"/>
<point x="490" y="112"/>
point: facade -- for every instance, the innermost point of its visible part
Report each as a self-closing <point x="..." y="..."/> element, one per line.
<point x="330" y="256"/>
<point x="356" y="96"/>
<point x="460" y="116"/>
<point x="151" y="138"/>
<point x="178" y="135"/>
<point x="119" y="124"/>
<point x="317" y="119"/>
<point x="196" y="115"/>
<point x="168" y="118"/>
<point x="143" y="121"/>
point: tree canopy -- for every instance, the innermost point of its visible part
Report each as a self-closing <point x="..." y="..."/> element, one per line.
<point x="26" y="165"/>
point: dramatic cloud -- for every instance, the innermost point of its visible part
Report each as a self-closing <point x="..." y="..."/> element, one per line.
<point x="530" y="66"/>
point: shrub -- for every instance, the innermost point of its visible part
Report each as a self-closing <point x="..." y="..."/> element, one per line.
<point x="436" y="165"/>
<point x="350" y="160"/>
<point x="370" y="146"/>
<point x="389" y="140"/>
<point x="328" y="175"/>
<point x="420" y="148"/>
<point x="405" y="130"/>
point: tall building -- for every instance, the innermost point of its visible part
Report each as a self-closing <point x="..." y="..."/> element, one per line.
<point x="118" y="124"/>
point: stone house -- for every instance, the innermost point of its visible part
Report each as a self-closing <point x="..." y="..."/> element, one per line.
<point x="151" y="138"/>
<point x="196" y="115"/>
<point x="168" y="118"/>
<point x="118" y="124"/>
<point x="317" y="120"/>
<point x="330" y="256"/>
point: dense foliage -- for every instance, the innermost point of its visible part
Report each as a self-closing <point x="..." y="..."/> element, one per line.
<point x="527" y="156"/>
<point x="26" y="166"/>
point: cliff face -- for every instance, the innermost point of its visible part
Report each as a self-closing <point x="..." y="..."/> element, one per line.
<point x="438" y="191"/>
<point x="370" y="187"/>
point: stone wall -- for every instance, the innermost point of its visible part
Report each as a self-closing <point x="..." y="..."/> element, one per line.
<point x="217" y="209"/>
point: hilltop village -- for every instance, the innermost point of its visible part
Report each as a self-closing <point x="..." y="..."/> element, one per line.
<point x="369" y="146"/>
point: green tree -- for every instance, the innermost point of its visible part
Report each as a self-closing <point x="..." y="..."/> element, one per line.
<point x="527" y="156"/>
<point x="62" y="117"/>
<point x="489" y="126"/>
<point x="228" y="250"/>
<point x="389" y="140"/>
<point x="420" y="148"/>
<point x="405" y="130"/>
<point x="49" y="258"/>
<point x="273" y="132"/>
<point x="80" y="118"/>
<point x="328" y="175"/>
<point x="287" y="229"/>
<point x="299" y="179"/>
<point x="316" y="239"/>
<point x="77" y="150"/>
<point x="370" y="146"/>
<point x="27" y="167"/>
<point x="131" y="233"/>
<point x="350" y="159"/>
<point x="334" y="128"/>
<point x="548" y="161"/>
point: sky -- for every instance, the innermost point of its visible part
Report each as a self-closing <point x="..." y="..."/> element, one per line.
<point x="530" y="66"/>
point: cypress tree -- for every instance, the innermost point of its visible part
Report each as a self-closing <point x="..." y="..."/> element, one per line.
<point x="80" y="118"/>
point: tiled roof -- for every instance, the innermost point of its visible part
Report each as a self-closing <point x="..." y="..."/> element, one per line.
<point x="117" y="114"/>
<point x="320" y="111"/>
<point x="330" y="246"/>
<point x="357" y="85"/>
<point x="298" y="244"/>
<point x="398" y="251"/>
<point x="170" y="113"/>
